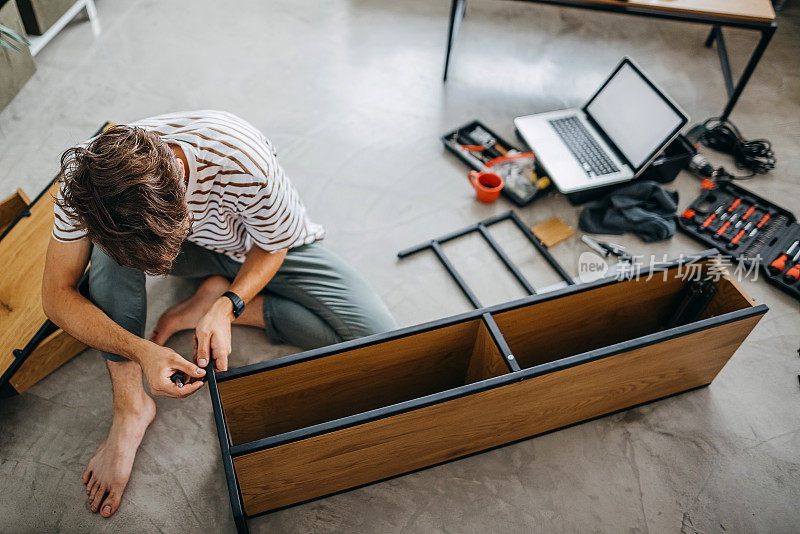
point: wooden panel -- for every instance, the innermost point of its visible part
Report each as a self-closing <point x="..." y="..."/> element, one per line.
<point x="327" y="388"/>
<point x="747" y="10"/>
<point x="349" y="457"/>
<point x="58" y="348"/>
<point x="576" y="323"/>
<point x="22" y="254"/>
<point x="486" y="360"/>
<point x="730" y="296"/>
<point x="11" y="207"/>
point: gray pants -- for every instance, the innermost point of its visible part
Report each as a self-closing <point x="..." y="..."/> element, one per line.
<point x="315" y="298"/>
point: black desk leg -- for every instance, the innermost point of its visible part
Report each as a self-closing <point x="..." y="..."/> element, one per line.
<point x="711" y="35"/>
<point x="457" y="9"/>
<point x="722" y="51"/>
<point x="766" y="35"/>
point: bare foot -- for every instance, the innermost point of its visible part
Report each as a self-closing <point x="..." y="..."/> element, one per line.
<point x="187" y="314"/>
<point x="110" y="468"/>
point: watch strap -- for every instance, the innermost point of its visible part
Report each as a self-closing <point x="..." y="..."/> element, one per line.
<point x="238" y="303"/>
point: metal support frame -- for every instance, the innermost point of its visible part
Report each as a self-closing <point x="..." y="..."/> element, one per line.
<point x="734" y="91"/>
<point x="482" y="228"/>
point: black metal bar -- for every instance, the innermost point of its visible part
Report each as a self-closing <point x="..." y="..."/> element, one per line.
<point x="454" y="234"/>
<point x="20" y="355"/>
<point x="766" y="35"/>
<point x="724" y="64"/>
<point x="437" y="249"/>
<point x="506" y="260"/>
<point x="710" y="38"/>
<point x="500" y="341"/>
<point x="457" y="8"/>
<point x="542" y="248"/>
<point x="234" y="491"/>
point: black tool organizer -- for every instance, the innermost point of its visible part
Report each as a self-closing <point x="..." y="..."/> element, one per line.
<point x="722" y="218"/>
<point x="476" y="133"/>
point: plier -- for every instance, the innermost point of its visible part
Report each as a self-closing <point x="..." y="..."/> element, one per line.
<point x="608" y="249"/>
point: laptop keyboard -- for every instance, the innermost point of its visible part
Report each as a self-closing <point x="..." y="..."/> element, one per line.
<point x="583" y="146"/>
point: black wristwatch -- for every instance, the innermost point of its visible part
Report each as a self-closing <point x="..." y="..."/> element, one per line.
<point x="238" y="303"/>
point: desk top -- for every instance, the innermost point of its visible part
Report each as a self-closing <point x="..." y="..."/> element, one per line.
<point x="743" y="10"/>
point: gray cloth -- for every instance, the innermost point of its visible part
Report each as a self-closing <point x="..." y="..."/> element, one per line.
<point x="315" y="299"/>
<point x="643" y="208"/>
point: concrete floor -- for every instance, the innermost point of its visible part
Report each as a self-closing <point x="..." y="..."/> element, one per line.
<point x="350" y="93"/>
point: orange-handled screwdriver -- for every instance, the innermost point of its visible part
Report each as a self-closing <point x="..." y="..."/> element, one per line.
<point x="735" y="204"/>
<point x="763" y="220"/>
<point x="748" y="213"/>
<point x="723" y="228"/>
<point x="779" y="263"/>
<point x="793" y="274"/>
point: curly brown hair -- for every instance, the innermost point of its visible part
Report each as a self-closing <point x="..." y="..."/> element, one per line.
<point x="126" y="190"/>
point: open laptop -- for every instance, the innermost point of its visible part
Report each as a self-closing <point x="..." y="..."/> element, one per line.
<point x="611" y="139"/>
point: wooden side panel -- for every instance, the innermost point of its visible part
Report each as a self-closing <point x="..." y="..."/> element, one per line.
<point x="486" y="360"/>
<point x="327" y="388"/>
<point x="58" y="348"/>
<point x="730" y="296"/>
<point x="349" y="457"/>
<point x="22" y="254"/>
<point x="11" y="207"/>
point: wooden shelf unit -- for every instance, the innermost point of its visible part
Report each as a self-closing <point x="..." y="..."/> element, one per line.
<point x="320" y="422"/>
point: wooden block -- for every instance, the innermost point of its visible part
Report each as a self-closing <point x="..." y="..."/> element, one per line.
<point x="553" y="231"/>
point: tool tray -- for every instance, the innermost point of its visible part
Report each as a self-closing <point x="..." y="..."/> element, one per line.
<point x="521" y="195"/>
<point x="763" y="247"/>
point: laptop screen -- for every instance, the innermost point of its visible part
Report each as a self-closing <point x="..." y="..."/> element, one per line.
<point x="634" y="115"/>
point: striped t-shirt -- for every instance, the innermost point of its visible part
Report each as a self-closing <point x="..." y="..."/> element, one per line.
<point x="238" y="194"/>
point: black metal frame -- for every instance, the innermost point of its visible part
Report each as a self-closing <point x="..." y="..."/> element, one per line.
<point x="734" y="90"/>
<point x="482" y="228"/>
<point x="47" y="328"/>
<point x="515" y="374"/>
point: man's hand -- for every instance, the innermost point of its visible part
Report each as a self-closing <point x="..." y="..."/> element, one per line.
<point x="213" y="335"/>
<point x="160" y="363"/>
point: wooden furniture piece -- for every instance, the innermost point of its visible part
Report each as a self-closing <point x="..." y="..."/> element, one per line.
<point x="320" y="422"/>
<point x="756" y="15"/>
<point x="31" y="347"/>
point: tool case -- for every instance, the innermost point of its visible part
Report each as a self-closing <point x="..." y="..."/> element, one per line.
<point x="482" y="149"/>
<point x="747" y="228"/>
<point x="316" y="423"/>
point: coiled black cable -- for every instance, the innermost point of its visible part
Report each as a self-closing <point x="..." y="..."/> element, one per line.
<point x="755" y="155"/>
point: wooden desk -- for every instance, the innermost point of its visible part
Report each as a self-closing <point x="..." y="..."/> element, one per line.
<point x="756" y="15"/>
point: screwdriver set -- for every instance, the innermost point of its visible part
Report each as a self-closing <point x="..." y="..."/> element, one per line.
<point x="747" y="228"/>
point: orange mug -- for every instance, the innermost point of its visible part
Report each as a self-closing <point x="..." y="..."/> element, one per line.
<point x="487" y="185"/>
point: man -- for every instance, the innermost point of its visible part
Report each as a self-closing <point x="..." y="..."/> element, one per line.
<point x="196" y="194"/>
